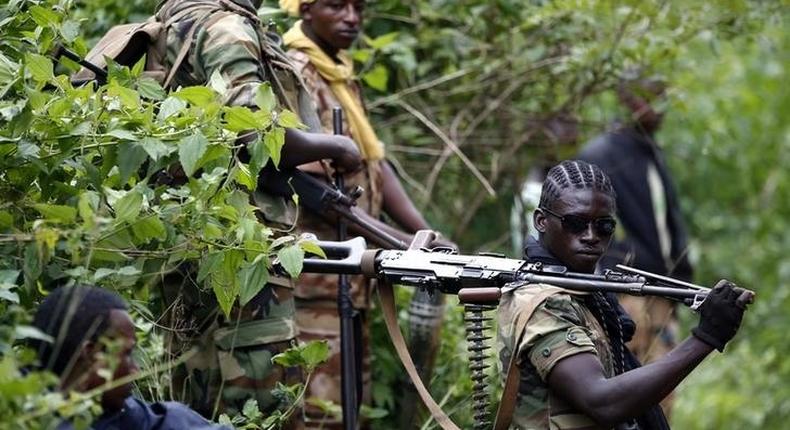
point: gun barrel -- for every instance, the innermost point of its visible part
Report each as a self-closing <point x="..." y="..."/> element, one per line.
<point x="633" y="288"/>
<point x="662" y="278"/>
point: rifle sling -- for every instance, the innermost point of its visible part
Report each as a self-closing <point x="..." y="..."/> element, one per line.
<point x="504" y="414"/>
<point x="387" y="298"/>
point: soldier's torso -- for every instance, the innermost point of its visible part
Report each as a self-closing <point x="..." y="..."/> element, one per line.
<point x="323" y="287"/>
<point x="536" y="407"/>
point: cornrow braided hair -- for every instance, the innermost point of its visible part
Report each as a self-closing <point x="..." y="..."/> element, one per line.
<point x="608" y="317"/>
<point x="574" y="174"/>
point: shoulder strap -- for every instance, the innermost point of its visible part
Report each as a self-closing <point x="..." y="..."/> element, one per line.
<point x="387" y="299"/>
<point x="210" y="16"/>
<point x="504" y="414"/>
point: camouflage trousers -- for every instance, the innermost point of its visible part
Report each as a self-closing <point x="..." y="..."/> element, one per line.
<point x="656" y="330"/>
<point x="232" y="362"/>
<point x="319" y="320"/>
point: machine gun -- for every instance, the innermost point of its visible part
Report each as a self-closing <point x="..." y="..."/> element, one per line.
<point x="479" y="281"/>
<point x="483" y="278"/>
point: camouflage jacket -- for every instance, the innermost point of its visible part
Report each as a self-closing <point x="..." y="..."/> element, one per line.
<point x="324" y="287"/>
<point x="560" y="326"/>
<point x="228" y="40"/>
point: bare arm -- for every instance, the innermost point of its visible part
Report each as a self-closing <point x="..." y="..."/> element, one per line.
<point x="581" y="381"/>
<point x="302" y="147"/>
<point x="397" y="203"/>
<point x="580" y="378"/>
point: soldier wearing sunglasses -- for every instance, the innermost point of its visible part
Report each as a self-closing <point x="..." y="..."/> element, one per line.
<point x="575" y="370"/>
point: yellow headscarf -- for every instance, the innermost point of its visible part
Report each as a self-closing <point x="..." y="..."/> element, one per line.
<point x="292" y="6"/>
<point x="339" y="76"/>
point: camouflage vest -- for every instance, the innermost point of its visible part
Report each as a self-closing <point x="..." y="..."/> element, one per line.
<point x="185" y="21"/>
<point x="187" y="24"/>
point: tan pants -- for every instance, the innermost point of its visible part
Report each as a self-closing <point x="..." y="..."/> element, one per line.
<point x="656" y="331"/>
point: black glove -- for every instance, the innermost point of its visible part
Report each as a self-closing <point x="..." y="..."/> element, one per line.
<point x="720" y="315"/>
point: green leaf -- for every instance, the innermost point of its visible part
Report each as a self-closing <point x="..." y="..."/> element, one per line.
<point x="128" y="207"/>
<point x="32" y="265"/>
<point x="155" y="148"/>
<point x="170" y="107"/>
<point x="252" y="280"/>
<point x="265" y="98"/>
<point x="128" y="97"/>
<point x="87" y="205"/>
<point x="291" y="258"/>
<point x="122" y="134"/>
<point x="40" y="67"/>
<point x="30" y="332"/>
<point x="8" y="295"/>
<point x="130" y="158"/>
<point x="308" y="356"/>
<point x="148" y="228"/>
<point x="190" y="149"/>
<point x="196" y="96"/>
<point x="139" y="66"/>
<point x="209" y="265"/>
<point x="311" y="247"/>
<point x="102" y="273"/>
<point x="217" y="83"/>
<point x="251" y="409"/>
<point x="244" y="177"/>
<point x="377" y="78"/>
<point x="150" y="88"/>
<point x="259" y="156"/>
<point x="327" y="407"/>
<point x="274" y="141"/>
<point x="9" y="277"/>
<point x="58" y="213"/>
<point x="225" y="282"/>
<point x="43" y="16"/>
<point x="70" y="30"/>
<point x="383" y="40"/>
<point x="288" y="119"/>
<point x="315" y="353"/>
<point x="6" y="219"/>
<point x="240" y="118"/>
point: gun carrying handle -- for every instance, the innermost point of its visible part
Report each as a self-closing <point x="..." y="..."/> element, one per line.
<point x="422" y="239"/>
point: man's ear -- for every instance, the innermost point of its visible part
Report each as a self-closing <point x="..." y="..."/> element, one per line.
<point x="539" y="220"/>
<point x="305" y="11"/>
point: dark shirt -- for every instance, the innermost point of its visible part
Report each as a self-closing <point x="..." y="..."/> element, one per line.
<point x="626" y="155"/>
<point x="139" y="415"/>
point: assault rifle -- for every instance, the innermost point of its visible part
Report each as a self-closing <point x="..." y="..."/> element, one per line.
<point x="322" y="199"/>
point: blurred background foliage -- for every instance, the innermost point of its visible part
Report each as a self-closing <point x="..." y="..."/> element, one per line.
<point x="465" y="94"/>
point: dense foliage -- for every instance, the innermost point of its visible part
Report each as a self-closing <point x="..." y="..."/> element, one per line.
<point x="473" y="88"/>
<point x="116" y="186"/>
<point x="465" y="94"/>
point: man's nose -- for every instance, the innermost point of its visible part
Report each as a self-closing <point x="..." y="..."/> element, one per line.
<point x="352" y="15"/>
<point x="589" y="235"/>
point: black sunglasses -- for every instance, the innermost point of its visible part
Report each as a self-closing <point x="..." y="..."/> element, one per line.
<point x="575" y="224"/>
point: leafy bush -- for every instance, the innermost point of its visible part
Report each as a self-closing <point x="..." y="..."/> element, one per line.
<point x="116" y="186"/>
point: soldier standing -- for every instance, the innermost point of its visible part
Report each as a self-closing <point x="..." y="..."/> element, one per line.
<point x="317" y="46"/>
<point x="206" y="37"/>
<point x="574" y="369"/>
<point x="654" y="234"/>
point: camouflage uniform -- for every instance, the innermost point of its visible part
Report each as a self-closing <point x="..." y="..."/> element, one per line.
<point x="316" y="295"/>
<point x="234" y="359"/>
<point x="561" y="326"/>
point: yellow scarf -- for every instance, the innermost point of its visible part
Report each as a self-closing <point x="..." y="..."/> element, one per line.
<point x="292" y="6"/>
<point x="339" y="76"/>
